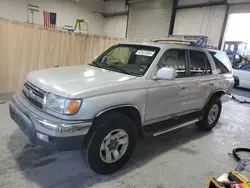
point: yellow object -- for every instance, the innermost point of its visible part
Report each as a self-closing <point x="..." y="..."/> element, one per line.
<point x="213" y="183"/>
<point x="74" y="107"/>
<point x="239" y="181"/>
<point x="240" y="177"/>
<point x="120" y="54"/>
<point x="81" y="26"/>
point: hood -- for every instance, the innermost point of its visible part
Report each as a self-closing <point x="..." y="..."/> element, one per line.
<point x="67" y="81"/>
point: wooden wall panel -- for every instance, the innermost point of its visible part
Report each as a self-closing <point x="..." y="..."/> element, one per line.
<point x="25" y="47"/>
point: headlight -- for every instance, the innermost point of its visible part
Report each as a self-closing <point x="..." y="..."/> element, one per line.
<point x="62" y="105"/>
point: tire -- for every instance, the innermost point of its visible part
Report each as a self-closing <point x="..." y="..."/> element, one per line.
<point x="207" y="123"/>
<point x="111" y="124"/>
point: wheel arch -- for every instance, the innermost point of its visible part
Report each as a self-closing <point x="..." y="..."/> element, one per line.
<point x="129" y="110"/>
<point x="217" y="93"/>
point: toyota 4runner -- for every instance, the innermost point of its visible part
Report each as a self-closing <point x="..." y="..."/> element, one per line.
<point x="131" y="89"/>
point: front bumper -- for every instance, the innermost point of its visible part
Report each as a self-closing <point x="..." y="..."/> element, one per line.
<point x="226" y="98"/>
<point x="61" y="134"/>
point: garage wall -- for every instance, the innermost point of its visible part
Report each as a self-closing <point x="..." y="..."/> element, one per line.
<point x="206" y="21"/>
<point x="115" y="25"/>
<point x="149" y="19"/>
<point x="67" y="12"/>
<point x="14" y="9"/>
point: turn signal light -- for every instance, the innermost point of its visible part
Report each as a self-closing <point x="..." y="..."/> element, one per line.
<point x="74" y="106"/>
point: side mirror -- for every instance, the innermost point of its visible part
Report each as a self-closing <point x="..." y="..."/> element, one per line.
<point x="165" y="73"/>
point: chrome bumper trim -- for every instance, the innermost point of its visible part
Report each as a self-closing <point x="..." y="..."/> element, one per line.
<point x="60" y="128"/>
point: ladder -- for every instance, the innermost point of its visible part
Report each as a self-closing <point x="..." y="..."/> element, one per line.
<point x="81" y="26"/>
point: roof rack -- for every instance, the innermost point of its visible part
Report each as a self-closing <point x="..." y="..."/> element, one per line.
<point x="176" y="41"/>
<point x="185" y="42"/>
<point x="208" y="46"/>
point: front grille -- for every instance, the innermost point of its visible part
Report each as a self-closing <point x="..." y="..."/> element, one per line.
<point x="34" y="94"/>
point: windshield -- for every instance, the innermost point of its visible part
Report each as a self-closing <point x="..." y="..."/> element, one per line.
<point x="128" y="59"/>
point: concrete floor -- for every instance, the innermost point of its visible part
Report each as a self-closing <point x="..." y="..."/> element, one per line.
<point x="184" y="158"/>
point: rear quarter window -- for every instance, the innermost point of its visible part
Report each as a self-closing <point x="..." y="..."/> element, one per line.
<point x="222" y="62"/>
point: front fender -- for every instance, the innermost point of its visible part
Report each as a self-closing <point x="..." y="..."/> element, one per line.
<point x="94" y="106"/>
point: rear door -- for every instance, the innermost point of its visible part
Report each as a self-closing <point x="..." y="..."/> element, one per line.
<point x="201" y="79"/>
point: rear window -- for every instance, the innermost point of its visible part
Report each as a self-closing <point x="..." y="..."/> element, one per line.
<point x="222" y="62"/>
<point x="199" y="64"/>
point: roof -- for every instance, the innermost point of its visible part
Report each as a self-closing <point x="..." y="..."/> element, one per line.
<point x="163" y="45"/>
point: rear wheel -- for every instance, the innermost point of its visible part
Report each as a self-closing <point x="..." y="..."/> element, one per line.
<point x="212" y="114"/>
<point x="110" y="144"/>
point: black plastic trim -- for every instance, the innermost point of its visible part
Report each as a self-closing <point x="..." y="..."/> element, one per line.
<point x="153" y="128"/>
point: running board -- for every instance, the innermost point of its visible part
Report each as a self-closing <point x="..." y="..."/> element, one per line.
<point x="176" y="127"/>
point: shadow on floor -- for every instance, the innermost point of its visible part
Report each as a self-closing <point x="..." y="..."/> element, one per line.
<point x="241" y="92"/>
<point x="25" y="153"/>
<point x="69" y="170"/>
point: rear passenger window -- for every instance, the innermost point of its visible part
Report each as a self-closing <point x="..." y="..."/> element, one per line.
<point x="222" y="62"/>
<point x="175" y="58"/>
<point x="199" y="65"/>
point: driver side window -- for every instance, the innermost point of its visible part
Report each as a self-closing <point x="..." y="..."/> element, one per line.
<point x="174" y="58"/>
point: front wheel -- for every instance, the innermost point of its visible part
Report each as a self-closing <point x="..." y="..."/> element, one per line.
<point x="110" y="144"/>
<point x="212" y="114"/>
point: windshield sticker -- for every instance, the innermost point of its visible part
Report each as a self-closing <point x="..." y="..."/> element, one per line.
<point x="145" y="53"/>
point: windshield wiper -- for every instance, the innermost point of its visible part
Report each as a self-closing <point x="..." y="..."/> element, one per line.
<point x="95" y="64"/>
<point x="117" y="68"/>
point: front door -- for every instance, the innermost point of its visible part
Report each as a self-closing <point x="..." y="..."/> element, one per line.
<point x="168" y="97"/>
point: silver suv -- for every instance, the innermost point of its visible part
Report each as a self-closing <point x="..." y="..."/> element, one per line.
<point x="131" y="90"/>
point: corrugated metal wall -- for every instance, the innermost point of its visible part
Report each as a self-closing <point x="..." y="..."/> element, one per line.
<point x="115" y="26"/>
<point x="206" y="21"/>
<point x="149" y="19"/>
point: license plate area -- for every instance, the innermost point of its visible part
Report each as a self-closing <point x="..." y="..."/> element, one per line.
<point x="23" y="122"/>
